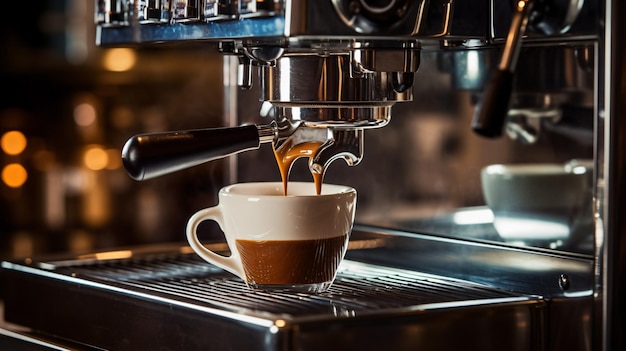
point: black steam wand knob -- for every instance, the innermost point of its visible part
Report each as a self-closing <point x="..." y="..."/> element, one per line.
<point x="492" y="111"/>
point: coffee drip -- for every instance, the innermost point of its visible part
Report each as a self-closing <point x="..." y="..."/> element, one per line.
<point x="289" y="152"/>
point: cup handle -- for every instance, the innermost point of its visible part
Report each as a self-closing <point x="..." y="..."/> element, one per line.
<point x="229" y="263"/>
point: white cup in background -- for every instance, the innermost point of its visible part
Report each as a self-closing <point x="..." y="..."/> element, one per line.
<point x="540" y="204"/>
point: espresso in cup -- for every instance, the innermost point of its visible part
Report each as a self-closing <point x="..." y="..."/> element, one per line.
<point x="279" y="242"/>
<point x="289" y="262"/>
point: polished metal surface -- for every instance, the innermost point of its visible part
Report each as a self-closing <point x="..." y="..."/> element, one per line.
<point x="345" y="144"/>
<point x="25" y="340"/>
<point x="171" y="293"/>
<point x="370" y="17"/>
<point x="558" y="16"/>
<point x="337" y="116"/>
<point x="323" y="79"/>
<point x="528" y="270"/>
<point x="611" y="187"/>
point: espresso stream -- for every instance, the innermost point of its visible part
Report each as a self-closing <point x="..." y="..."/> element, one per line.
<point x="288" y="153"/>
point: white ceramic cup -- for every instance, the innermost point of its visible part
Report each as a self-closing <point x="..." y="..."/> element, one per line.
<point x="539" y="204"/>
<point x="277" y="242"/>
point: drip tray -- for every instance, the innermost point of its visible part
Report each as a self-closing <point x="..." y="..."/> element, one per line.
<point x="176" y="301"/>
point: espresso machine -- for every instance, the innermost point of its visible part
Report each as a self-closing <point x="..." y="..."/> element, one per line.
<point x="333" y="73"/>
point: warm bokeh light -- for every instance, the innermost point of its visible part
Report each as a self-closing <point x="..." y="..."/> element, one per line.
<point x="119" y="59"/>
<point x="14" y="175"/>
<point x="114" y="158"/>
<point x="95" y="158"/>
<point x="84" y="114"/>
<point x="13" y="142"/>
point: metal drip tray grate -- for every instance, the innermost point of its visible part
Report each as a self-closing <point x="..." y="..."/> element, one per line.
<point x="177" y="301"/>
<point x="358" y="288"/>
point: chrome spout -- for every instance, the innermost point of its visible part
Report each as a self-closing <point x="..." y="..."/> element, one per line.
<point x="345" y="143"/>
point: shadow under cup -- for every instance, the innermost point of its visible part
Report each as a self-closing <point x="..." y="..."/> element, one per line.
<point x="280" y="243"/>
<point x="547" y="205"/>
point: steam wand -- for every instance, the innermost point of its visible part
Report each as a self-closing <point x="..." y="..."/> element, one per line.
<point x="492" y="112"/>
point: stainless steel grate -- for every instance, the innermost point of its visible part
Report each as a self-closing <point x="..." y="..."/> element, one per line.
<point x="167" y="298"/>
<point x="359" y="288"/>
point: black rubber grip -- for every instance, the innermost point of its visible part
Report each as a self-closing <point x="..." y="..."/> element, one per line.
<point x="147" y="156"/>
<point x="493" y="109"/>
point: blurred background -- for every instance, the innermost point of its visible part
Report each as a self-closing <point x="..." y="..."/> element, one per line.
<point x="68" y="106"/>
<point x="67" y="109"/>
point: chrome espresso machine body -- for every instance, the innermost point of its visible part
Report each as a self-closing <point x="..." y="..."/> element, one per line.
<point x="333" y="72"/>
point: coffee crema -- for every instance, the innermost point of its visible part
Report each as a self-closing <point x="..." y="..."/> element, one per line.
<point x="288" y="153"/>
<point x="286" y="262"/>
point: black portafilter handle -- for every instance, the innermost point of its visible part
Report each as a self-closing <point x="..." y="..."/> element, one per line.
<point x="492" y="112"/>
<point x="147" y="156"/>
